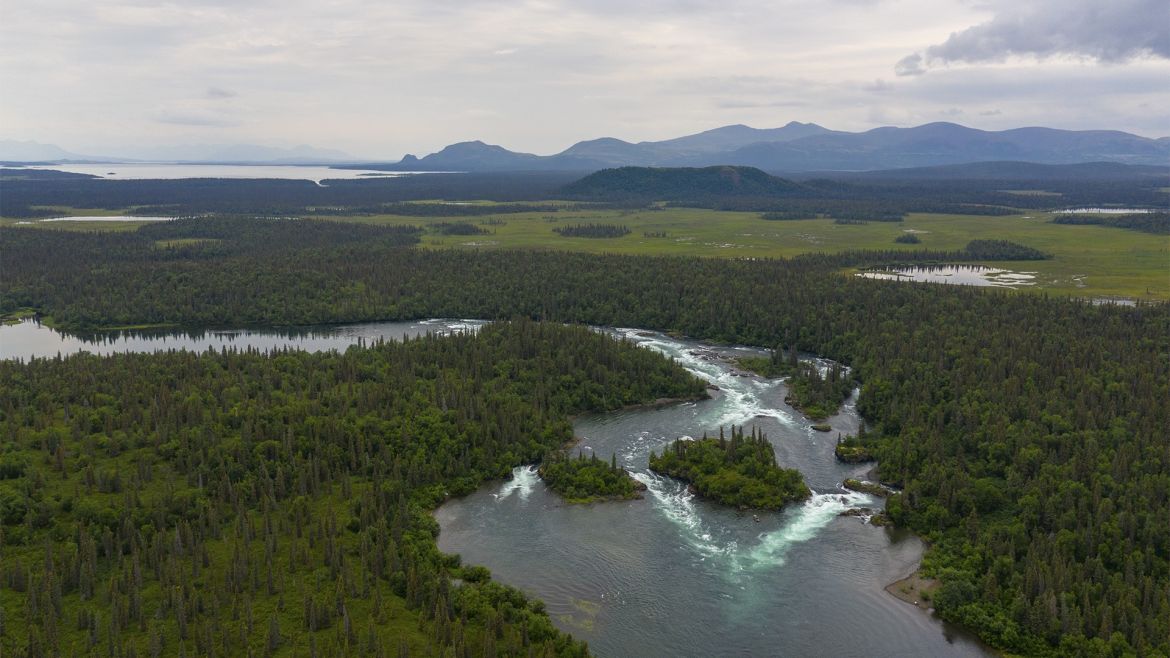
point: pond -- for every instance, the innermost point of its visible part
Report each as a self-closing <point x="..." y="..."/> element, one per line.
<point x="968" y="275"/>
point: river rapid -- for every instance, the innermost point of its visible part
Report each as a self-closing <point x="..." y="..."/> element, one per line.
<point x="673" y="575"/>
<point x="670" y="575"/>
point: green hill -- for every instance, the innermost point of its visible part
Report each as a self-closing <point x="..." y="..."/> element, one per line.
<point x="680" y="184"/>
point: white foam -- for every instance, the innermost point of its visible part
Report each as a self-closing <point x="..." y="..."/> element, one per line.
<point x="524" y="478"/>
<point x="678" y="504"/>
<point x="804" y="524"/>
<point x="800" y="524"/>
<point x="742" y="401"/>
<point x="744" y="398"/>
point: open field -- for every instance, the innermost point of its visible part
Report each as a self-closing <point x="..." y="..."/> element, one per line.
<point x="1089" y="261"/>
<point x="1092" y="261"/>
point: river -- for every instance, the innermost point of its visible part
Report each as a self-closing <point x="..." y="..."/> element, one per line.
<point x="672" y="575"/>
<point x="669" y="575"/>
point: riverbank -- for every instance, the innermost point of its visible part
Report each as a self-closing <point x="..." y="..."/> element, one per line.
<point x="915" y="589"/>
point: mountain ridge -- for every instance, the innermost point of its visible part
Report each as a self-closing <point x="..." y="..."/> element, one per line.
<point x="800" y="147"/>
<point x="793" y="147"/>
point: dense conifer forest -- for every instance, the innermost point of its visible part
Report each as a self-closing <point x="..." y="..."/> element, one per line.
<point x="1154" y="222"/>
<point x="819" y="394"/>
<point x="1028" y="434"/>
<point x="740" y="471"/>
<point x="592" y="231"/>
<point x="240" y="503"/>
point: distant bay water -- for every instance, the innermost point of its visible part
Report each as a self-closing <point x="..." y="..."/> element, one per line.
<point x="172" y="171"/>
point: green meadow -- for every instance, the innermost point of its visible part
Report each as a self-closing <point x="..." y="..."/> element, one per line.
<point x="1088" y="261"/>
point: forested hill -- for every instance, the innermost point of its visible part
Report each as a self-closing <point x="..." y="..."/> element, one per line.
<point x="680" y="184"/>
<point x="1028" y="433"/>
<point x="247" y="504"/>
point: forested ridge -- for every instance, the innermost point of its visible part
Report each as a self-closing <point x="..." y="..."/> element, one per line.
<point x="244" y="503"/>
<point x="1028" y="434"/>
<point x="840" y="195"/>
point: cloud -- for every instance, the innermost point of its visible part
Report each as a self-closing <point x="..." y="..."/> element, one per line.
<point x="910" y="65"/>
<point x="1111" y="32"/>
<point x="194" y="117"/>
<point x="392" y="77"/>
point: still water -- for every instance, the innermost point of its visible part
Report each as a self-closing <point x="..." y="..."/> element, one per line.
<point x="965" y="275"/>
<point x="29" y="339"/>
<point x="670" y="575"/>
<point x="100" y="218"/>
<point x="167" y="171"/>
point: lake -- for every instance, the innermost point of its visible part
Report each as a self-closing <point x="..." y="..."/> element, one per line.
<point x="99" y="218"/>
<point x="1105" y="211"/>
<point x="670" y="575"/>
<point x="143" y="171"/>
<point x="967" y="275"/>
<point x="29" y="339"/>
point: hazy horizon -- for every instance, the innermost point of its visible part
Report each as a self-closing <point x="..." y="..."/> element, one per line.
<point x="378" y="81"/>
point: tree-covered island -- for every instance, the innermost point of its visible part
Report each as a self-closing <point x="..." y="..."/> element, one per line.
<point x="740" y="471"/>
<point x="584" y="479"/>
<point x="818" y="395"/>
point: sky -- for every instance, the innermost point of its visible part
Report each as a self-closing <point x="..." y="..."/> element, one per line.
<point x="379" y="79"/>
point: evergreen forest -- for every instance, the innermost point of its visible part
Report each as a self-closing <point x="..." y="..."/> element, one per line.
<point x="589" y="479"/>
<point x="740" y="471"/>
<point x="1027" y="434"/>
<point x="278" y="504"/>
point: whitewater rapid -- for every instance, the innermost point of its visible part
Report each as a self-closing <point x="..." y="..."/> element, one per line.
<point x="743" y="399"/>
<point x="676" y="575"/>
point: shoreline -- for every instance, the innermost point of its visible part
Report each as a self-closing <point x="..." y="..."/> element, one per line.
<point x="915" y="589"/>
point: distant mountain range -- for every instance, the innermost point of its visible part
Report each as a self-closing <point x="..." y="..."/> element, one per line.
<point x="802" y="147"/>
<point x="793" y="148"/>
<point x="31" y="152"/>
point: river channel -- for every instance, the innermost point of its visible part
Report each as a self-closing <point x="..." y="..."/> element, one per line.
<point x="669" y="575"/>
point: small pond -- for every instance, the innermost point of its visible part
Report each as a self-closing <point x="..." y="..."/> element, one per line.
<point x="967" y="275"/>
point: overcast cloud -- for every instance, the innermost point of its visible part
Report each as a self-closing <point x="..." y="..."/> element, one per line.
<point x="379" y="79"/>
<point x="1109" y="32"/>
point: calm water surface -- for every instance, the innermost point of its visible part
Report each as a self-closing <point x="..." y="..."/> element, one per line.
<point x="669" y="575"/>
<point x="29" y="339"/>
<point x="1105" y="211"/>
<point x="167" y="171"/>
<point x="966" y="275"/>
